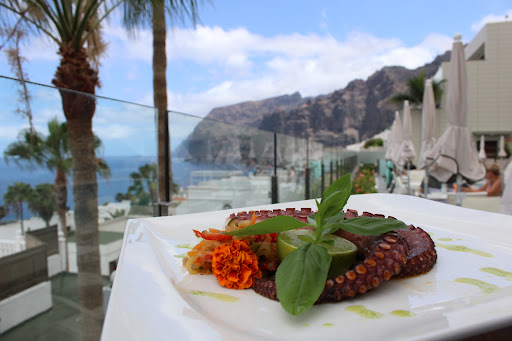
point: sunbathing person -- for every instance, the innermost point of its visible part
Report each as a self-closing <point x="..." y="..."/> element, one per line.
<point x="493" y="184"/>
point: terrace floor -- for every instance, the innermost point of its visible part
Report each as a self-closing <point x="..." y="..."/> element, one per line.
<point x="61" y="322"/>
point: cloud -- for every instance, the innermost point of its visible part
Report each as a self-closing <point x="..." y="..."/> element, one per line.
<point x="310" y="64"/>
<point x="477" y="26"/>
<point x="230" y="66"/>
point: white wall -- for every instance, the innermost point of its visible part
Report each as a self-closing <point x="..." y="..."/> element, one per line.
<point x="24" y="305"/>
<point x="54" y="265"/>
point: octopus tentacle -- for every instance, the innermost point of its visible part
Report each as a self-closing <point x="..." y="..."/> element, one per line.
<point x="422" y="253"/>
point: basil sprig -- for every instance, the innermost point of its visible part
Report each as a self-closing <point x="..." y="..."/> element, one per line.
<point x="301" y="276"/>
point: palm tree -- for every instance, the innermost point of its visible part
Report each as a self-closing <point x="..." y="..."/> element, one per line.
<point x="74" y="26"/>
<point x="416" y="88"/>
<point x="153" y="12"/>
<point x="144" y="184"/>
<point x="53" y="152"/>
<point x="42" y="201"/>
<point x="16" y="195"/>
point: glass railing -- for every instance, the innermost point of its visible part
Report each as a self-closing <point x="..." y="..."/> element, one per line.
<point x="214" y="166"/>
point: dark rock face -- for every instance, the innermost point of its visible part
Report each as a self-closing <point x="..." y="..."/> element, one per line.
<point x="343" y="117"/>
<point x="252" y="113"/>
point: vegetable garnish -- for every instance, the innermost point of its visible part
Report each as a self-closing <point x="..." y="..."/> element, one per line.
<point x="301" y="276"/>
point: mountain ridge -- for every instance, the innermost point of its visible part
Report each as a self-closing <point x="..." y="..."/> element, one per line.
<point x="345" y="116"/>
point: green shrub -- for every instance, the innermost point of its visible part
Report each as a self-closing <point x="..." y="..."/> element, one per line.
<point x="373" y="142"/>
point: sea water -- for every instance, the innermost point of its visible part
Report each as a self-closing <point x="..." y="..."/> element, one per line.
<point x="120" y="166"/>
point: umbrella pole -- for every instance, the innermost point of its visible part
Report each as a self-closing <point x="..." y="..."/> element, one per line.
<point x="458" y="194"/>
<point x="425" y="183"/>
<point x="408" y="179"/>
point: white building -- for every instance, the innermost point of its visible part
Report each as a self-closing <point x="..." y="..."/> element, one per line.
<point x="489" y="72"/>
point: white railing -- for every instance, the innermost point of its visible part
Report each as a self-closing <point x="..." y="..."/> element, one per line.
<point x="8" y="247"/>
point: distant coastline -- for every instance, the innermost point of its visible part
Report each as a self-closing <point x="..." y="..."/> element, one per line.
<point x="121" y="168"/>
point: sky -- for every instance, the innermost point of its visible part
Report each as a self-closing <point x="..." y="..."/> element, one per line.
<point x="241" y="51"/>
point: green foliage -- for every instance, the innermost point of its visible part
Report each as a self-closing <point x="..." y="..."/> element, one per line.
<point x="42" y="201"/>
<point x="16" y="195"/>
<point x="118" y="213"/>
<point x="143" y="190"/>
<point x="415" y="90"/>
<point x="373" y="142"/>
<point x="364" y="181"/>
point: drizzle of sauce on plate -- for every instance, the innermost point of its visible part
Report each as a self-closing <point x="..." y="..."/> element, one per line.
<point x="363" y="312"/>
<point x="484" y="286"/>
<point x="220" y="297"/>
<point x="402" y="313"/>
<point x="463" y="248"/>
<point x="497" y="272"/>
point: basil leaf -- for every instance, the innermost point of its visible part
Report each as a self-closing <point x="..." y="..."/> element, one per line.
<point x="332" y="225"/>
<point x="301" y="276"/>
<point x="271" y="225"/>
<point x="371" y="226"/>
<point x="312" y="219"/>
<point x="338" y="185"/>
<point x="334" y="199"/>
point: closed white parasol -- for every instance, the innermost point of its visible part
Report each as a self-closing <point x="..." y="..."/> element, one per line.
<point x="455" y="152"/>
<point x="428" y="123"/>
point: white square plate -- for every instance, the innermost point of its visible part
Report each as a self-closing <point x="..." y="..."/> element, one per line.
<point x="154" y="298"/>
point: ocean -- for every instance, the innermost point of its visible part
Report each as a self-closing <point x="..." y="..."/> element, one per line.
<point x="120" y="166"/>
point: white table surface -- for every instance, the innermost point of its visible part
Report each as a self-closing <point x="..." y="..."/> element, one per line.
<point x="151" y="297"/>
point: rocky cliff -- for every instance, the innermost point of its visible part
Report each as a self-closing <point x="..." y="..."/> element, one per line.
<point x="343" y="117"/>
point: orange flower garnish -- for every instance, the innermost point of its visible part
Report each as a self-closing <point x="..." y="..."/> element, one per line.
<point x="235" y="265"/>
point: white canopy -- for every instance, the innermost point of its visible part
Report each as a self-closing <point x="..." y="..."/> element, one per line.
<point x="428" y="123"/>
<point x="455" y="151"/>
<point x="395" y="138"/>
<point x="406" y="151"/>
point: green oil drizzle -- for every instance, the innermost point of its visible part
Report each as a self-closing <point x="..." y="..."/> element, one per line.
<point x="185" y="246"/>
<point x="305" y="325"/>
<point x="463" y="248"/>
<point x="484" y="286"/>
<point x="497" y="272"/>
<point x="402" y="313"/>
<point x="328" y="325"/>
<point x="220" y="297"/>
<point x="363" y="312"/>
<point x="183" y="255"/>
<point x="445" y="239"/>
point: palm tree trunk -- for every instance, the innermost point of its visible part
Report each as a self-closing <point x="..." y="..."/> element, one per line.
<point x="61" y="190"/>
<point x="160" y="99"/>
<point x="75" y="73"/>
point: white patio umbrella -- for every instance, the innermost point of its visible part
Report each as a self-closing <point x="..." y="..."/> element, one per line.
<point x="455" y="152"/>
<point x="428" y="123"/>
<point x="398" y="137"/>
<point x="390" y="141"/>
<point x="407" y="152"/>
<point x="481" y="153"/>
<point x="501" y="153"/>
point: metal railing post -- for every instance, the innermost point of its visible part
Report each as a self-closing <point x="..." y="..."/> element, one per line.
<point x="274" y="181"/>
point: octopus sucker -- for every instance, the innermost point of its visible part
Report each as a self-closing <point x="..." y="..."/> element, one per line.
<point x="401" y="253"/>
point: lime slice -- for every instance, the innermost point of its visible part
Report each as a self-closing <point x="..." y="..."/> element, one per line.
<point x="343" y="252"/>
